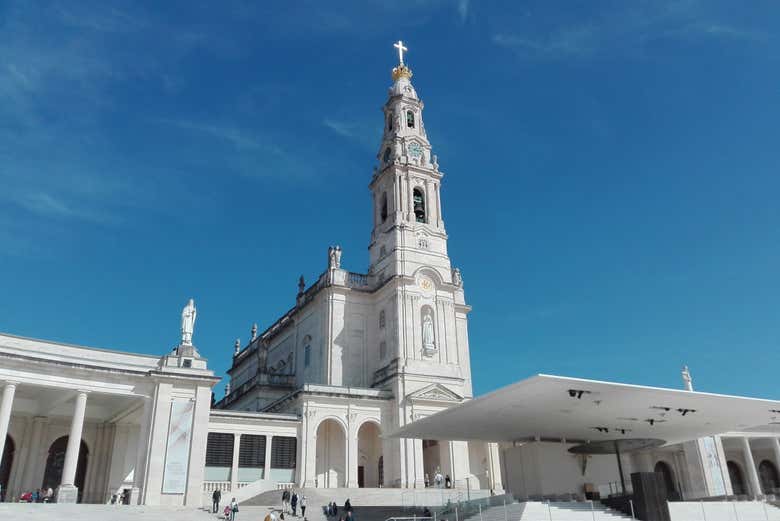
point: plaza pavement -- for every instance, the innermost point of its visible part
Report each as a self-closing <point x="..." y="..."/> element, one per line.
<point x="55" y="512"/>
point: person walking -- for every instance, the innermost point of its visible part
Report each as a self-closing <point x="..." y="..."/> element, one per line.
<point x="303" y="507"/>
<point x="285" y="500"/>
<point x="347" y="506"/>
<point x="294" y="503"/>
<point x="216" y="497"/>
<point x="233" y="509"/>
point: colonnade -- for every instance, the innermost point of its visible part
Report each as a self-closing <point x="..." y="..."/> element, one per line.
<point x="753" y="483"/>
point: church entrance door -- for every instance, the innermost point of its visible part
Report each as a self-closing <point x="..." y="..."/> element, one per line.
<point x="5" y="467"/>
<point x="52" y="476"/>
<point x="369" y="454"/>
<point x="737" y="481"/>
<point x="331" y="467"/>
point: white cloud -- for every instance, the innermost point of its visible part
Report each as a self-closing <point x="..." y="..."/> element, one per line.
<point x="463" y="10"/>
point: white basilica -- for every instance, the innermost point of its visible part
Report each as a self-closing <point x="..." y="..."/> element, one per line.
<point x="365" y="383"/>
<point x="360" y="354"/>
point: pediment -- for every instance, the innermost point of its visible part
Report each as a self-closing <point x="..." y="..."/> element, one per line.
<point x="435" y="393"/>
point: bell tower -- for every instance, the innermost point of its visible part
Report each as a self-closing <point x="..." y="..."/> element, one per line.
<point x="408" y="227"/>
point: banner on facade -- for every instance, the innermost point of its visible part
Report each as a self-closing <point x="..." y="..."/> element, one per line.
<point x="712" y="467"/>
<point x="177" y="453"/>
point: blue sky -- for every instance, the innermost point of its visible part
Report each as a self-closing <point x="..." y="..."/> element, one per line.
<point x="611" y="188"/>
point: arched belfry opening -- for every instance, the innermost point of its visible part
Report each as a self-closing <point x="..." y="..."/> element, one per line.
<point x="383" y="210"/>
<point x="331" y="467"/>
<point x="418" y="198"/>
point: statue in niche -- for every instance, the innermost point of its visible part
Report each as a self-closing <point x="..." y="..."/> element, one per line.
<point x="457" y="278"/>
<point x="429" y="343"/>
<point x="188" y="315"/>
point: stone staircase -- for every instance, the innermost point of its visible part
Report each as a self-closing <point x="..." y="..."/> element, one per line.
<point x="723" y="511"/>
<point x="554" y="511"/>
<point x="375" y="497"/>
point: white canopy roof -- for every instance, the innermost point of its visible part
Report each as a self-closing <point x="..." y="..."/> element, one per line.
<point x="578" y="410"/>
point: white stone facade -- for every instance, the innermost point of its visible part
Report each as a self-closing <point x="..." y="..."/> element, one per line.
<point x="117" y="405"/>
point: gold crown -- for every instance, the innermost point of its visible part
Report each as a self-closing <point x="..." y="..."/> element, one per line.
<point x="402" y="71"/>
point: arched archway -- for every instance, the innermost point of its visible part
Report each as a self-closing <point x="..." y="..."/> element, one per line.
<point x="9" y="448"/>
<point x="767" y="473"/>
<point x="331" y="467"/>
<point x="369" y="455"/>
<point x="735" y="476"/>
<point x="666" y="471"/>
<point x="52" y="476"/>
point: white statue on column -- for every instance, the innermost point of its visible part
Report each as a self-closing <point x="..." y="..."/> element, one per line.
<point x="188" y="315"/>
<point x="429" y="343"/>
<point x="687" y="379"/>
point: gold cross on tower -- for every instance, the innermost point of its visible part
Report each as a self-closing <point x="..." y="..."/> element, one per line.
<point x="400" y="46"/>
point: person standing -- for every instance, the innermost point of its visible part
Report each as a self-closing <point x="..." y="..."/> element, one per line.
<point x="233" y="509"/>
<point x="303" y="507"/>
<point x="216" y="497"/>
<point x="294" y="503"/>
<point x="347" y="506"/>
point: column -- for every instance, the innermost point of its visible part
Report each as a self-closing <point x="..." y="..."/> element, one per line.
<point x="234" y="464"/>
<point x="5" y="413"/>
<point x="417" y="466"/>
<point x="269" y="444"/>
<point x="67" y="492"/>
<point x="440" y="221"/>
<point x="494" y="468"/>
<point x="776" y="451"/>
<point x="352" y="455"/>
<point x="142" y="456"/>
<point x="409" y="202"/>
<point x="750" y="468"/>
<point x="429" y="206"/>
<point x="34" y="463"/>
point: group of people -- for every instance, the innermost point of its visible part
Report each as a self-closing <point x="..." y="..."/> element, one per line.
<point x="332" y="510"/>
<point x="41" y="495"/>
<point x="231" y="509"/>
<point x="291" y="501"/>
<point x="439" y="481"/>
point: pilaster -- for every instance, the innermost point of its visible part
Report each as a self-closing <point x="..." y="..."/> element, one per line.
<point x="234" y="463"/>
<point x="352" y="451"/>
<point x="750" y="468"/>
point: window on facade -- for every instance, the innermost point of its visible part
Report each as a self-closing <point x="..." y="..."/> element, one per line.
<point x="219" y="450"/>
<point x="382" y="319"/>
<point x="283" y="452"/>
<point x="251" y="451"/>
<point x="382" y="350"/>
<point x="410" y="119"/>
<point x="419" y="205"/>
<point x="390" y="121"/>
<point x="306" y="351"/>
<point x="386" y="156"/>
<point x="383" y="211"/>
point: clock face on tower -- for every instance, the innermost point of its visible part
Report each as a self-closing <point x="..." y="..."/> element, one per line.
<point x="414" y="148"/>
